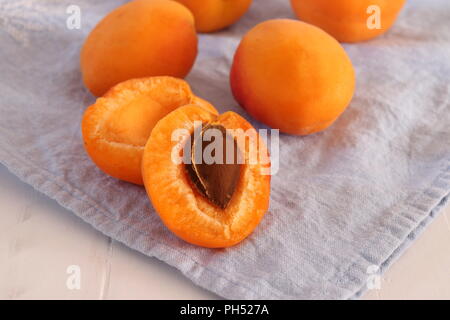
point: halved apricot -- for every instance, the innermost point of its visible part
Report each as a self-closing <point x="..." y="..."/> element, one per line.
<point x="224" y="203"/>
<point x="116" y="127"/>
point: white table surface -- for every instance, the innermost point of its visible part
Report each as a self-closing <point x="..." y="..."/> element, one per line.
<point x="39" y="240"/>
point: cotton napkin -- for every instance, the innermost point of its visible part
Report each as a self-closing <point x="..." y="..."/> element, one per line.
<point x="345" y="202"/>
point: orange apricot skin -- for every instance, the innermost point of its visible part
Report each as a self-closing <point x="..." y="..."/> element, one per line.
<point x="346" y="20"/>
<point x="214" y="15"/>
<point x="141" y="38"/>
<point x="122" y="159"/>
<point x="181" y="208"/>
<point x="292" y="76"/>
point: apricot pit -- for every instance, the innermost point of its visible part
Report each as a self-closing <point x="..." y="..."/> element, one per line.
<point x="216" y="181"/>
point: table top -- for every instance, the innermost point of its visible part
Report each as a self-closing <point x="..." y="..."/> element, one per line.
<point x="46" y="252"/>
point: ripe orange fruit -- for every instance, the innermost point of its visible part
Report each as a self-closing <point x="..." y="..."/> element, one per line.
<point x="292" y="76"/>
<point x="142" y="38"/>
<point x="347" y="20"/>
<point x="213" y="15"/>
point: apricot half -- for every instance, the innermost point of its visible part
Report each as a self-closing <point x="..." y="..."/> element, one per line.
<point x="213" y="15"/>
<point x="212" y="204"/>
<point x="142" y="38"/>
<point x="117" y="126"/>
<point x="349" y="20"/>
<point x="292" y="76"/>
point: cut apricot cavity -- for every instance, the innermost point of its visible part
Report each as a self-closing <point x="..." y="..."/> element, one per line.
<point x="210" y="204"/>
<point x="117" y="126"/>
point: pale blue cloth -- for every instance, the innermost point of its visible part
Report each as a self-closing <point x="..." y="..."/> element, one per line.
<point x="344" y="201"/>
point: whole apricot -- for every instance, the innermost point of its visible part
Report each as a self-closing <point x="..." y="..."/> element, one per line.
<point x="213" y="15"/>
<point x="349" y="20"/>
<point x="139" y="39"/>
<point x="292" y="76"/>
<point x="116" y="127"/>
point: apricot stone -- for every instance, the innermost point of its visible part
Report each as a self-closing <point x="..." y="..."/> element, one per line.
<point x="292" y="76"/>
<point x="139" y="39"/>
<point x="213" y="15"/>
<point x="349" y="20"/>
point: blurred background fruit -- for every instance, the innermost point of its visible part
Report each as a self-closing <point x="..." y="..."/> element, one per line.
<point x="349" y="20"/>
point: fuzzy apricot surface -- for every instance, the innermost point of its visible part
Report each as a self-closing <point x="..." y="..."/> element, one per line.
<point x="292" y="76"/>
<point x="117" y="126"/>
<point x="347" y="20"/>
<point x="141" y="38"/>
<point x="184" y="210"/>
<point x="213" y="15"/>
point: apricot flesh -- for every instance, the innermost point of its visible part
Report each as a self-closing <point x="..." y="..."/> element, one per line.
<point x="292" y="76"/>
<point x="347" y="20"/>
<point x="213" y="15"/>
<point x="141" y="38"/>
<point x="117" y="126"/>
<point x="182" y="208"/>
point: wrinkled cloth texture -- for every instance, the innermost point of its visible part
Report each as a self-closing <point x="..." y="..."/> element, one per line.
<point x="345" y="203"/>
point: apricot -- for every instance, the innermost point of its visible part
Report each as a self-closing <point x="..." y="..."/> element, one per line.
<point x="349" y="20"/>
<point x="213" y="15"/>
<point x="139" y="39"/>
<point x="210" y="204"/>
<point x="292" y="76"/>
<point x="117" y="126"/>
